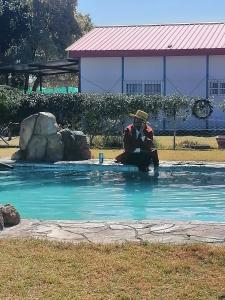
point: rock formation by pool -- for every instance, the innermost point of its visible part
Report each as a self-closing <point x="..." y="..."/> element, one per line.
<point x="9" y="216"/>
<point x="41" y="139"/>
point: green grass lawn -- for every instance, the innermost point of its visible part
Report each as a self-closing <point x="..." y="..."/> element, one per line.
<point x="45" y="270"/>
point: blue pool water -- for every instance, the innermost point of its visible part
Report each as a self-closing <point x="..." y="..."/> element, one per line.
<point x="193" y="194"/>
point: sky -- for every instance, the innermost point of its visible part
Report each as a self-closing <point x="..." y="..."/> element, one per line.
<point x="128" y="12"/>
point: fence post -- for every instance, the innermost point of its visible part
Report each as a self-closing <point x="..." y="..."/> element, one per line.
<point x="174" y="127"/>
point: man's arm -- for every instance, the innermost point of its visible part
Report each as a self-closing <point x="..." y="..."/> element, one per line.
<point x="129" y="142"/>
<point x="147" y="140"/>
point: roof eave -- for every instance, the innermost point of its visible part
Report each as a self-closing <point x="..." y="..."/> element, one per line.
<point x="144" y="53"/>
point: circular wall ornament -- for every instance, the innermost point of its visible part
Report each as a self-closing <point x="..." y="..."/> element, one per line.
<point x="202" y="109"/>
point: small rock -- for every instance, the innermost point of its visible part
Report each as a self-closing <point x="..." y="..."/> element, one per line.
<point x="10" y="215"/>
<point x="19" y="155"/>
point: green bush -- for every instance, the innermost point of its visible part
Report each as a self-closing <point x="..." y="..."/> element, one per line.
<point x="10" y="101"/>
<point x="112" y="142"/>
<point x="95" y="114"/>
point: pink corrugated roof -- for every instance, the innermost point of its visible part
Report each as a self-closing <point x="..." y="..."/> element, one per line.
<point x="167" y="39"/>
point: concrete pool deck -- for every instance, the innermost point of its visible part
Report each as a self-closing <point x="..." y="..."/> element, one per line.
<point x="110" y="165"/>
<point x="163" y="231"/>
<point x="176" y="232"/>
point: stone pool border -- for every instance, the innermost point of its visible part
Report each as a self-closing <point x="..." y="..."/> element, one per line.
<point x="110" y="165"/>
<point x="175" y="232"/>
<point x="153" y="231"/>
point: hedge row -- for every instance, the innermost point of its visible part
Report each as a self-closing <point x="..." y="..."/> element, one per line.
<point x="92" y="113"/>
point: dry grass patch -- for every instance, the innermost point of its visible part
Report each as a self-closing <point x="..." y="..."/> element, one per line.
<point x="7" y="152"/>
<point x="171" y="155"/>
<point x="192" y="155"/>
<point x="14" y="141"/>
<point x="165" y="141"/>
<point x="43" y="270"/>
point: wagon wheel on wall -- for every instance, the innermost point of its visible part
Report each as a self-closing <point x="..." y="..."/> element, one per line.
<point x="202" y="109"/>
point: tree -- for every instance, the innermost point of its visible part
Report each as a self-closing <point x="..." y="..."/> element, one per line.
<point x="84" y="22"/>
<point x="53" y="27"/>
<point x="14" y="24"/>
<point x="40" y="29"/>
<point x="63" y="26"/>
<point x="177" y="106"/>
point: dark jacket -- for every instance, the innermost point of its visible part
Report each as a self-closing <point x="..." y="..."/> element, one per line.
<point x="131" y="142"/>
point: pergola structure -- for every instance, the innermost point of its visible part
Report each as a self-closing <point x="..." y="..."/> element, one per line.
<point x="54" y="67"/>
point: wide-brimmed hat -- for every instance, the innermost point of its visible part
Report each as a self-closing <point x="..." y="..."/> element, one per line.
<point x="140" y="114"/>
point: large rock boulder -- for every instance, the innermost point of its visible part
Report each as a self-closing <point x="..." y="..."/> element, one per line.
<point x="10" y="215"/>
<point x="42" y="140"/>
<point x="38" y="124"/>
<point x="75" y="145"/>
<point x="46" y="124"/>
<point x="36" y="148"/>
<point x="55" y="147"/>
<point x="26" y="130"/>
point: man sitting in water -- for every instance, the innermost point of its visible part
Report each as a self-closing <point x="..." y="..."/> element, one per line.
<point x="138" y="144"/>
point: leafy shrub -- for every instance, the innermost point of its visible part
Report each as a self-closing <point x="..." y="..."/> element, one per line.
<point x="10" y="100"/>
<point x="103" y="141"/>
<point x="113" y="142"/>
<point x="95" y="114"/>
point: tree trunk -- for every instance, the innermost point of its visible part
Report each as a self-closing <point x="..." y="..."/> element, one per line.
<point x="36" y="84"/>
<point x="174" y="129"/>
<point x="26" y="83"/>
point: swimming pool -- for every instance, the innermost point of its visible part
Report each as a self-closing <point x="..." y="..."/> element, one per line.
<point x="182" y="193"/>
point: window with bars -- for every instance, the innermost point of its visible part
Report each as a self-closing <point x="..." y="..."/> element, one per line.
<point x="147" y="88"/>
<point x="152" y="88"/>
<point x="133" y="88"/>
<point x="217" y="88"/>
<point x="222" y="88"/>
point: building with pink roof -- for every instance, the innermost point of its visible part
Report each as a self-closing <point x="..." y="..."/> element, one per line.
<point x="186" y="59"/>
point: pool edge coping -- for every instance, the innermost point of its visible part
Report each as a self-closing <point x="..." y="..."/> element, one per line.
<point x="152" y="231"/>
<point x="108" y="165"/>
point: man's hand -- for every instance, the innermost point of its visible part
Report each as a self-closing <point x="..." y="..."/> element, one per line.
<point x="148" y="143"/>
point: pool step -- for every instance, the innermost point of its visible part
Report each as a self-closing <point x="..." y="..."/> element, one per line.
<point x="4" y="166"/>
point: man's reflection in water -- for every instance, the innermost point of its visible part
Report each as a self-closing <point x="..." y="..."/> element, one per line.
<point x="136" y="192"/>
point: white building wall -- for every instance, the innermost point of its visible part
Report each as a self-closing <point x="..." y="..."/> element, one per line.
<point x="184" y="75"/>
<point x="217" y="67"/>
<point x="101" y="75"/>
<point x="143" y="68"/>
<point x="217" y="72"/>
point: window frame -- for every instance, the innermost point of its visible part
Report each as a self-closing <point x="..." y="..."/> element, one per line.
<point x="141" y="87"/>
<point x="216" y="87"/>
